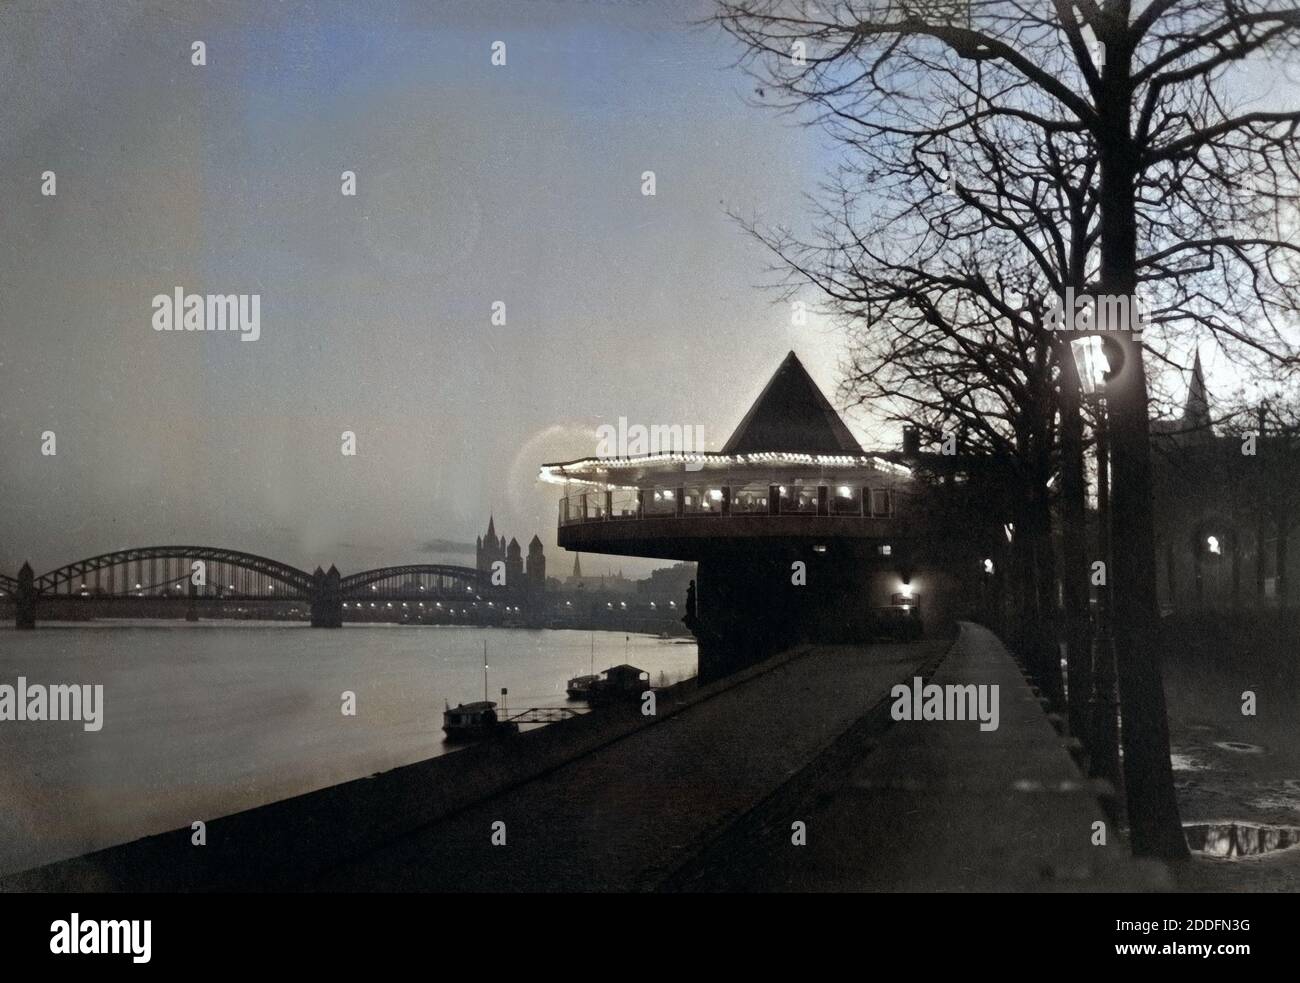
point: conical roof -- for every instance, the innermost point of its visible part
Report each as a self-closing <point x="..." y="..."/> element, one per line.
<point x="792" y="414"/>
<point x="1196" y="413"/>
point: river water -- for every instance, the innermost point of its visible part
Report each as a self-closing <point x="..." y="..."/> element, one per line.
<point x="202" y="720"/>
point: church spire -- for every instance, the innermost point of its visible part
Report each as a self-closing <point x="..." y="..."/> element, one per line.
<point x="1196" y="413"/>
<point x="577" y="566"/>
<point x="492" y="529"/>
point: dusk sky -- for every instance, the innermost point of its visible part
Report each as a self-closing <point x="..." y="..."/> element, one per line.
<point x="475" y="184"/>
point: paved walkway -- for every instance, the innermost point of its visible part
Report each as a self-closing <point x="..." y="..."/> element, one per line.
<point x="934" y="806"/>
<point x="623" y="817"/>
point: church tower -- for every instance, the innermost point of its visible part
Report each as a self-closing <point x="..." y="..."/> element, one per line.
<point x="514" y="564"/>
<point x="536" y="567"/>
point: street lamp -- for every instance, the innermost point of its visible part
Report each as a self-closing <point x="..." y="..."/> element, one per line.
<point x="1098" y="360"/>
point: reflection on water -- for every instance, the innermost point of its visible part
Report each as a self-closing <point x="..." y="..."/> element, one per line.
<point x="1240" y="746"/>
<point x="1239" y="839"/>
<point x="201" y="720"/>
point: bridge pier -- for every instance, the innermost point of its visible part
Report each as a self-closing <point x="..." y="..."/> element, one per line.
<point x="326" y="599"/>
<point x="192" y="606"/>
<point x="25" y="616"/>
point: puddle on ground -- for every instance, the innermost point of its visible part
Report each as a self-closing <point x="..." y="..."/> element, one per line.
<point x="1181" y="761"/>
<point x="1239" y="746"/>
<point x="1239" y="839"/>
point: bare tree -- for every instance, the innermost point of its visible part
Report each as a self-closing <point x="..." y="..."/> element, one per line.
<point x="1116" y="159"/>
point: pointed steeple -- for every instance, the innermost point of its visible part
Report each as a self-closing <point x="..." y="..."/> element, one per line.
<point x="792" y="414"/>
<point x="577" y="567"/>
<point x="492" y="529"/>
<point x="1196" y="413"/>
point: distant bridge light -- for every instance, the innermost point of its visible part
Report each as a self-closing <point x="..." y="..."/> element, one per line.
<point x="672" y="604"/>
<point x="345" y="603"/>
<point x="137" y="586"/>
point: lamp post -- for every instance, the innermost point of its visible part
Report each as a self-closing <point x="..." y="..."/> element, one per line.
<point x="1096" y="363"/>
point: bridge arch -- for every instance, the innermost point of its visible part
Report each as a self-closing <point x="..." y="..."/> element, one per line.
<point x="434" y="575"/>
<point x="298" y="581"/>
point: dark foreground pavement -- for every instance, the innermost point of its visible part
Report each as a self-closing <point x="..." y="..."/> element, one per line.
<point x="934" y="806"/>
<point x="625" y="816"/>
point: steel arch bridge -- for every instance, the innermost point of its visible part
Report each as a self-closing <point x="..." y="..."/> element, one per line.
<point x="413" y="580"/>
<point x="163" y="573"/>
<point x="165" y="566"/>
<point x="169" y="565"/>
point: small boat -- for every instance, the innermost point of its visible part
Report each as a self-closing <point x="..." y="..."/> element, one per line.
<point x="579" y="687"/>
<point x="619" y="683"/>
<point x="474" y="721"/>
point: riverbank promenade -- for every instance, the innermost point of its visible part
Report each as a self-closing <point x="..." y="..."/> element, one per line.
<point x="710" y="798"/>
<point x="791" y="775"/>
<point x="935" y="806"/>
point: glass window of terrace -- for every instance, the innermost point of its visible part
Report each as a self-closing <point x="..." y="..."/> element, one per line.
<point x="846" y="500"/>
<point x="798" y="499"/>
<point x="660" y="501"/>
<point x="749" y="498"/>
<point x="705" y="500"/>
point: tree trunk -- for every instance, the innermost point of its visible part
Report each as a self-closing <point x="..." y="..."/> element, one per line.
<point x="1155" y="827"/>
<point x="1280" y="559"/>
<point x="1074" y="577"/>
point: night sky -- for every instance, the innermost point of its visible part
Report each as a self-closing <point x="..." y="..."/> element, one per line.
<point x="475" y="183"/>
